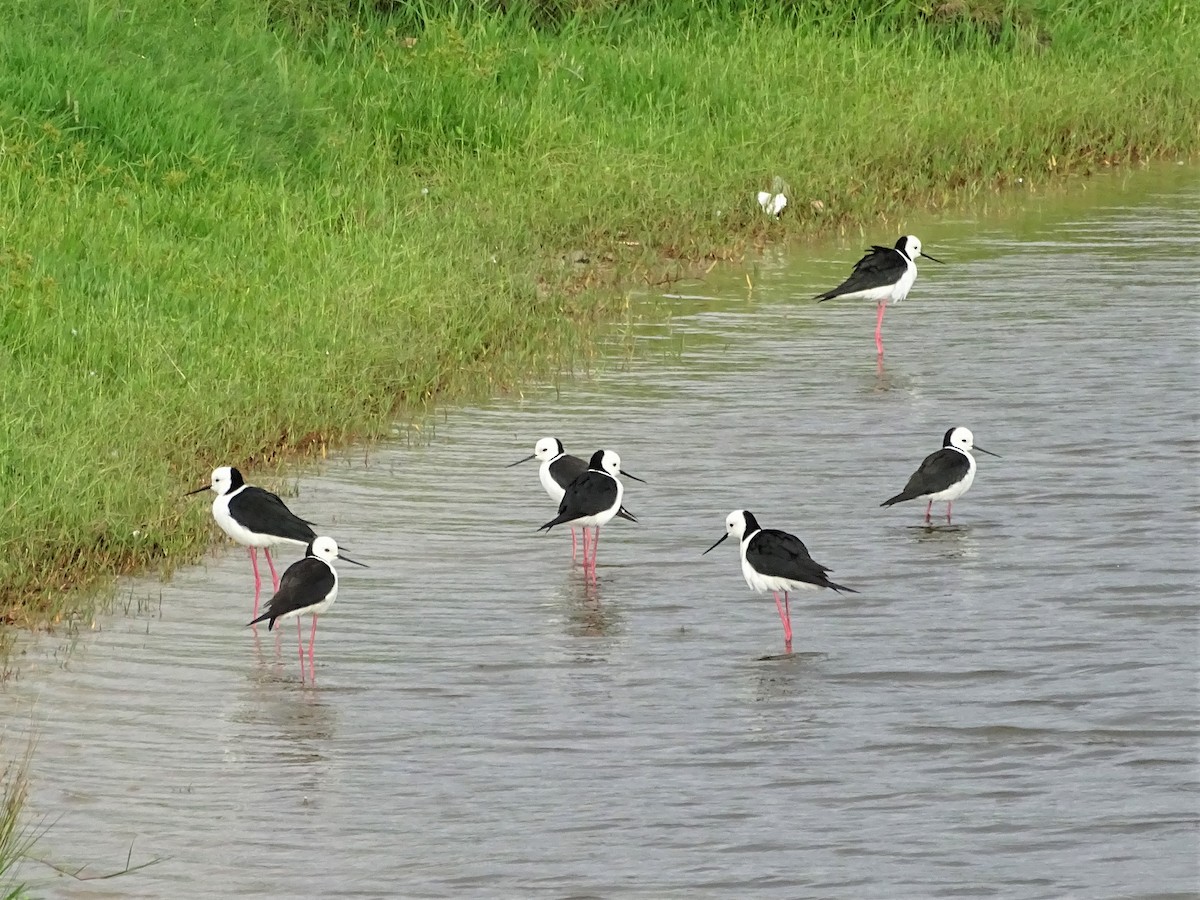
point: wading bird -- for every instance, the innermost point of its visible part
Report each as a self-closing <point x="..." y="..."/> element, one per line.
<point x="944" y="475"/>
<point x="309" y="587"/>
<point x="254" y="518"/>
<point x="775" y="561"/>
<point x="559" y="469"/>
<point x="592" y="500"/>
<point x="885" y="275"/>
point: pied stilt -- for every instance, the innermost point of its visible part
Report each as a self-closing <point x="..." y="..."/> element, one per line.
<point x="592" y="500"/>
<point x="557" y="471"/>
<point x="775" y="561"/>
<point x="946" y="474"/>
<point x="885" y="275"/>
<point x="309" y="587"/>
<point x="254" y="518"/>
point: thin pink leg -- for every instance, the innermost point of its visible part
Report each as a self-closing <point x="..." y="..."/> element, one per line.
<point x="300" y="643"/>
<point x="573" y="545"/>
<point x="595" y="548"/>
<point x="274" y="574"/>
<point x="257" y="580"/>
<point x="928" y="512"/>
<point x="784" y="618"/>
<point x="879" y="329"/>
<point x="586" y="549"/>
<point x="948" y="505"/>
<point x="312" y="670"/>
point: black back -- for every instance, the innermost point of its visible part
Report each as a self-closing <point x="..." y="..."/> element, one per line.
<point x="264" y="513"/>
<point x="938" y="471"/>
<point x="589" y="494"/>
<point x="306" y="583"/>
<point x="880" y="266"/>
<point x="782" y="555"/>
<point x="566" y="468"/>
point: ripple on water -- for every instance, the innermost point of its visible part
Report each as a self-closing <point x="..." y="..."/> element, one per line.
<point x="1008" y="709"/>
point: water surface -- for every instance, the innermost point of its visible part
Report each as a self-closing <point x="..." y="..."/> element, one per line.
<point x="1008" y="709"/>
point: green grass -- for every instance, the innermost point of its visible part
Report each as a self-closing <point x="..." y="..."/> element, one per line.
<point x="15" y="840"/>
<point x="230" y="231"/>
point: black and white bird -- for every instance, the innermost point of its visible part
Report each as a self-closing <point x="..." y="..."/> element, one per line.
<point x="559" y="469"/>
<point x="254" y="518"/>
<point x="592" y="500"/>
<point x="944" y="475"/>
<point x="309" y="587"/>
<point x="884" y="275"/>
<point x="776" y="561"/>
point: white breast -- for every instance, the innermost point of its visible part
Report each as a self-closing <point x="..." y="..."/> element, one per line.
<point x="604" y="516"/>
<point x="955" y="491"/>
<point x="229" y="525"/>
<point x="548" y="483"/>
<point x="904" y="285"/>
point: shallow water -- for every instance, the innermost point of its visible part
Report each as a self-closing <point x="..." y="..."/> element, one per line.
<point x="1008" y="709"/>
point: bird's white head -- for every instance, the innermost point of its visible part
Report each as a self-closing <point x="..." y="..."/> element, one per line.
<point x="547" y="448"/>
<point x="910" y="246"/>
<point x="959" y="438"/>
<point x="325" y="548"/>
<point x="737" y="524"/>
<point x="609" y="461"/>
<point x="222" y="480"/>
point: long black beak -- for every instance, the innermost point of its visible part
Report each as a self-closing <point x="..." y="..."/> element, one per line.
<point x="934" y="258"/>
<point x="519" y="461"/>
<point x="353" y="562"/>
<point x="627" y="475"/>
<point x="725" y="535"/>
<point x="988" y="452"/>
<point x="203" y="487"/>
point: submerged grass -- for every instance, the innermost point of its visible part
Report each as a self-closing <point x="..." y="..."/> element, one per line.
<point x="15" y="840"/>
<point x="234" y="230"/>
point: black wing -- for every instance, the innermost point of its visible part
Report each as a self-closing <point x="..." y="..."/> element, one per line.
<point x="782" y="555"/>
<point x="881" y="265"/>
<point x="936" y="473"/>
<point x="625" y="514"/>
<point x="566" y="469"/>
<point x="264" y="513"/>
<point x="590" y="493"/>
<point x="306" y="583"/>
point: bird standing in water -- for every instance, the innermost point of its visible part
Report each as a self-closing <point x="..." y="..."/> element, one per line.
<point x="775" y="561"/>
<point x="254" y="518"/>
<point x="946" y="474"/>
<point x="309" y="587"/>
<point x="884" y="275"/>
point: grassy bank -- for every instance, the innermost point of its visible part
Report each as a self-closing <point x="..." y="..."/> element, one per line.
<point x="232" y="230"/>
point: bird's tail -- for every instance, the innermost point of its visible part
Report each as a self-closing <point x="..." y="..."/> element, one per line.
<point x="625" y="514"/>
<point x="557" y="520"/>
<point x="899" y="498"/>
<point x="266" y="615"/>
<point x="840" y="588"/>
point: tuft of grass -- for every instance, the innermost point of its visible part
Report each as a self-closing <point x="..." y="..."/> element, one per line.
<point x="235" y="230"/>
<point x="15" y="840"/>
